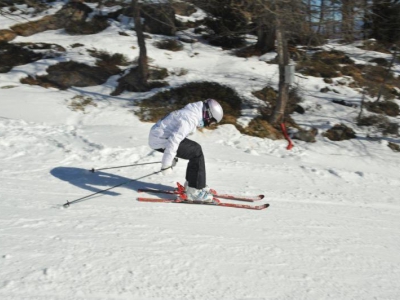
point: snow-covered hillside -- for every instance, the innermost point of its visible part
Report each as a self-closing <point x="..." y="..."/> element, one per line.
<point x="331" y="231"/>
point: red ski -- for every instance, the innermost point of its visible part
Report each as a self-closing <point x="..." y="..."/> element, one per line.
<point x="181" y="190"/>
<point x="215" y="202"/>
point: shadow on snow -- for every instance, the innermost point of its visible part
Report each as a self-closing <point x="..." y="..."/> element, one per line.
<point x="98" y="181"/>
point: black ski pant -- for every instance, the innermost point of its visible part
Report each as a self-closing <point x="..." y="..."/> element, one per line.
<point x="196" y="168"/>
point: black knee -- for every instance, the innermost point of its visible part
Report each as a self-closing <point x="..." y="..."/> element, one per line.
<point x="197" y="150"/>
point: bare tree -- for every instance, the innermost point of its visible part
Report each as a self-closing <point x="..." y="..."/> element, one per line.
<point x="388" y="72"/>
<point x="143" y="68"/>
<point x="266" y="30"/>
<point x="321" y="16"/>
<point x="281" y="9"/>
<point x="348" y="19"/>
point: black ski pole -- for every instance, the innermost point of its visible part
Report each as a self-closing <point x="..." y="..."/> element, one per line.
<point x="102" y="191"/>
<point x="155" y="162"/>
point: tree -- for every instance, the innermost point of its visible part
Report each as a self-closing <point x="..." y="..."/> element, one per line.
<point x="348" y="15"/>
<point x="321" y="16"/>
<point x="143" y="68"/>
<point x="385" y="20"/>
<point x="266" y="31"/>
<point x="281" y="10"/>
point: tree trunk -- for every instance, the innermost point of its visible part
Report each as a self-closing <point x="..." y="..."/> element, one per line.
<point x="265" y="35"/>
<point x="143" y="68"/>
<point x="283" y="60"/>
<point x="321" y="17"/>
<point x="388" y="71"/>
<point x="348" y="15"/>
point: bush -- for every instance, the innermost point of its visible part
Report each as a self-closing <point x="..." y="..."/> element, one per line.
<point x="248" y="51"/>
<point x="132" y="82"/>
<point x="374" y="45"/>
<point x="333" y="57"/>
<point x="79" y="103"/>
<point x="270" y="96"/>
<point x="340" y="132"/>
<point x="317" y="69"/>
<point x="66" y="74"/>
<point x="12" y="55"/>
<point x="169" y="44"/>
<point x="96" y="25"/>
<point x="226" y="41"/>
<point x="388" y="108"/>
<point x="114" y="59"/>
<point x="324" y="64"/>
<point x="394" y="147"/>
<point x="380" y="61"/>
<point x="259" y="127"/>
<point x="380" y="122"/>
<point x="157" y="106"/>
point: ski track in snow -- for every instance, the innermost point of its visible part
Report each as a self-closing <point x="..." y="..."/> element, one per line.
<point x="331" y="231"/>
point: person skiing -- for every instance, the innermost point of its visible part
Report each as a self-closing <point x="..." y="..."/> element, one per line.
<point x="169" y="136"/>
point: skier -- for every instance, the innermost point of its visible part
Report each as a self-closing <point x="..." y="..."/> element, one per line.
<point x="169" y="136"/>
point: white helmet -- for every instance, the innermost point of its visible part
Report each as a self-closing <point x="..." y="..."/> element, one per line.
<point x="212" y="111"/>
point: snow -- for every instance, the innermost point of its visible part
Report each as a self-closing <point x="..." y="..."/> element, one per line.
<point x="331" y="232"/>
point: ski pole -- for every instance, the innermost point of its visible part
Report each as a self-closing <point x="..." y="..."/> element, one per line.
<point x="102" y="191"/>
<point x="155" y="162"/>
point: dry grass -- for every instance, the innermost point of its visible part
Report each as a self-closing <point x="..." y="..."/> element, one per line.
<point x="374" y="78"/>
<point x="388" y="108"/>
<point x="80" y="103"/>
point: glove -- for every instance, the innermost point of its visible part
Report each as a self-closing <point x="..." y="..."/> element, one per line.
<point x="166" y="170"/>
<point x="174" y="162"/>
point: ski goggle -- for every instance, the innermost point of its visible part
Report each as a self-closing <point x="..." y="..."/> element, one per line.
<point x="207" y="116"/>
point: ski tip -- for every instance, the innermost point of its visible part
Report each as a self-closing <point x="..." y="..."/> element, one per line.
<point x="261" y="197"/>
<point x="264" y="206"/>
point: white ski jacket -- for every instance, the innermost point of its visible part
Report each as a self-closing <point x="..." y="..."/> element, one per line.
<point x="171" y="130"/>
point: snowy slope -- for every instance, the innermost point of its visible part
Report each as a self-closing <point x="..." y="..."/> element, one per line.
<point x="331" y="231"/>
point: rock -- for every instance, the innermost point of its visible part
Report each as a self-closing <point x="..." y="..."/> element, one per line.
<point x="306" y="135"/>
